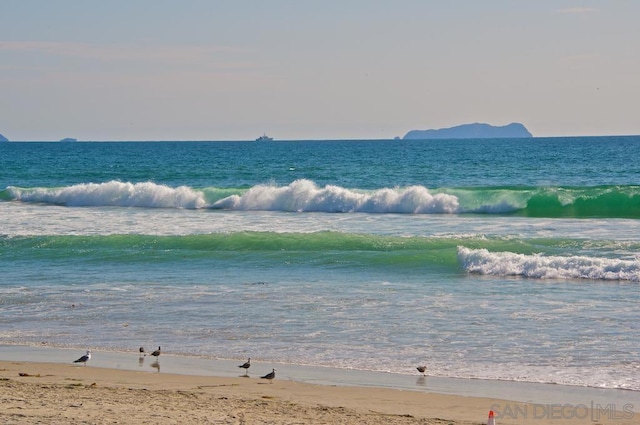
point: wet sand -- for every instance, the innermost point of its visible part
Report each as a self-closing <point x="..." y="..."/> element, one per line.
<point x="54" y="393"/>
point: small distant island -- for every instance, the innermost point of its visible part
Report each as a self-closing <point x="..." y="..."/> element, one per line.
<point x="68" y="139"/>
<point x="3" y="139"/>
<point x="471" y="131"/>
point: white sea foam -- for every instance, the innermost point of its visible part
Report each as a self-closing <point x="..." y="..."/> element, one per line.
<point x="305" y="196"/>
<point x="113" y="193"/>
<point x="299" y="196"/>
<point x="482" y="261"/>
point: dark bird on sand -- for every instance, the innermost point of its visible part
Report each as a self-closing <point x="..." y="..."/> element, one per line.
<point x="142" y="353"/>
<point x="246" y="365"/>
<point x="421" y="369"/>
<point x="269" y="375"/>
<point x="156" y="353"/>
<point x="84" y="359"/>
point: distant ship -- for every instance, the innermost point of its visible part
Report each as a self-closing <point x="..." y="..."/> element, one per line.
<point x="264" y="138"/>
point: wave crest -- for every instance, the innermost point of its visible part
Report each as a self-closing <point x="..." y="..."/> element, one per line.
<point x="481" y="261"/>
<point x="306" y="196"/>
<point x="113" y="193"/>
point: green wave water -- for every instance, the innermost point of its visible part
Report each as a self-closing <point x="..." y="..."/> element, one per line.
<point x="319" y="247"/>
<point x="553" y="202"/>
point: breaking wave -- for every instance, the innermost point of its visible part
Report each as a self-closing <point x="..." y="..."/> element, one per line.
<point x="474" y="255"/>
<point x="306" y="196"/>
<point x="113" y="193"/>
<point x="539" y="266"/>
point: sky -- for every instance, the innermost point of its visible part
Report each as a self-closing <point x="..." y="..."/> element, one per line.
<point x="315" y="69"/>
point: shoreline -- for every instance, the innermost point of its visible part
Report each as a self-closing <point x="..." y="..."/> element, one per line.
<point x="459" y="400"/>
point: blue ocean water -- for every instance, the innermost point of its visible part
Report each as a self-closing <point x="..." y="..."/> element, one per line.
<point x="498" y="259"/>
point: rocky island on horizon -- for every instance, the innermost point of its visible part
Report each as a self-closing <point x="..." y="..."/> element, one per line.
<point x="472" y="131"/>
<point x="3" y="139"/>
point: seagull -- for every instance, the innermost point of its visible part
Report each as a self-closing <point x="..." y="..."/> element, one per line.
<point x="269" y="375"/>
<point x="84" y="359"/>
<point x="156" y="353"/>
<point x="246" y="365"/>
<point x="421" y="369"/>
<point x="142" y="353"/>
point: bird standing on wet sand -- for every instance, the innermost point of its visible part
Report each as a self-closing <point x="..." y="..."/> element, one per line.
<point x="421" y="369"/>
<point x="269" y="375"/>
<point x="142" y="353"/>
<point x="156" y="353"/>
<point x="84" y="359"/>
<point x="246" y="365"/>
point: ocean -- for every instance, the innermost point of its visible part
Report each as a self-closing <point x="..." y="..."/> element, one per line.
<point x="511" y="260"/>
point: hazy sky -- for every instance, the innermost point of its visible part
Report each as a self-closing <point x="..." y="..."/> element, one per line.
<point x="326" y="69"/>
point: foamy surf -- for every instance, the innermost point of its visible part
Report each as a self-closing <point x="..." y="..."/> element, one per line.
<point x="305" y="196"/>
<point x="299" y="196"/>
<point x="113" y="193"/>
<point x="539" y="266"/>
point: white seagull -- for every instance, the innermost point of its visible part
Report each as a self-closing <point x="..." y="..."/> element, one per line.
<point x="84" y="359"/>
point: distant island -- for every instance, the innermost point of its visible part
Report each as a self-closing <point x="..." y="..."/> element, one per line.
<point x="472" y="131"/>
<point x="3" y="139"/>
<point x="68" y="139"/>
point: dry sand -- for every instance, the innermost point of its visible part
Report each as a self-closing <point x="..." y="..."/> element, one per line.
<point x="45" y="393"/>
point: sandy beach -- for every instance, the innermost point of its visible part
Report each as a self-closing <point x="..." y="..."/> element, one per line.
<point x="52" y="393"/>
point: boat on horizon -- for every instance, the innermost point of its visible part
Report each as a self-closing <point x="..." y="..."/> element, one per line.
<point x="264" y="138"/>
